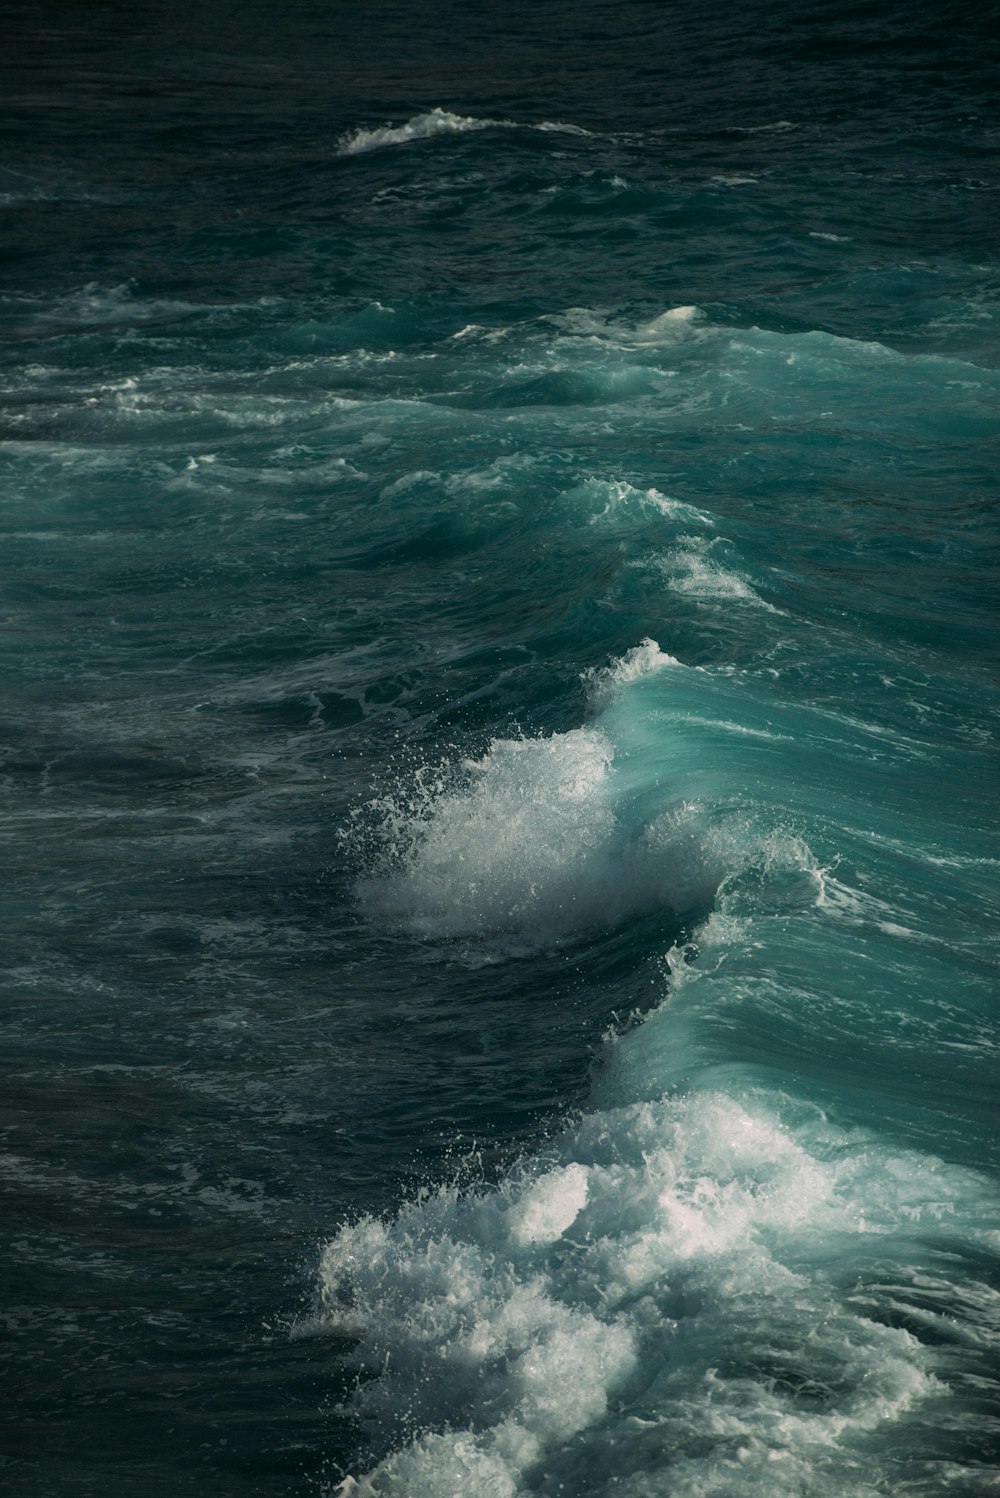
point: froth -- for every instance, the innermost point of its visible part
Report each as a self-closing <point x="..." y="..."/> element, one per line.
<point x="621" y="500"/>
<point x="672" y="320"/>
<point x="544" y="838"/>
<point x="674" y="325"/>
<point x="649" y="1303"/>
<point x="421" y="127"/>
<point x="604" y="682"/>
<point x="439" y="121"/>
<point x="530" y="842"/>
<point x="696" y="570"/>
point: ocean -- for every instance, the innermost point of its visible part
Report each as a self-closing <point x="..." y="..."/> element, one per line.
<point x="498" y="747"/>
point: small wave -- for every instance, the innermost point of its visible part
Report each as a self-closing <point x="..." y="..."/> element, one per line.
<point x="777" y="127"/>
<point x="94" y="305"/>
<point x="606" y="326"/>
<point x="542" y="838"/>
<point x="421" y="127"/>
<point x="621" y="499"/>
<point x="672" y="319"/>
<point x="561" y="127"/>
<point x="545" y="838"/>
<point x="439" y="121"/>
<point x="695" y="572"/>
<point x="604" y="682"/>
<point x="527" y="845"/>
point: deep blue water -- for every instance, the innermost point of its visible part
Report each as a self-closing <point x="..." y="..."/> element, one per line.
<point x="500" y="553"/>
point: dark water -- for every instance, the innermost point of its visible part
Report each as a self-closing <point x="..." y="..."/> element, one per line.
<point x="499" y="749"/>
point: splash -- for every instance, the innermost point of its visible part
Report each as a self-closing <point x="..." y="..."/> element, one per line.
<point x="528" y="842"/>
<point x="544" y="838"/>
<point x="703" y="1285"/>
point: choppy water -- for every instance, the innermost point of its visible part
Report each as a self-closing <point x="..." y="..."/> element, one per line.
<point x="499" y="751"/>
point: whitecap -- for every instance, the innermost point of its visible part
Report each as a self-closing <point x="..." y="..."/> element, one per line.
<point x="604" y="682"/>
<point x="654" y="1295"/>
<point x="523" y="843"/>
<point x="421" y="127"/>
<point x="437" y="122"/>
<point x="620" y="497"/>
<point x="534" y="842"/>
<point x="695" y="571"/>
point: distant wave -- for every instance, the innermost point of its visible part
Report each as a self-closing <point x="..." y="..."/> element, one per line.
<point x="438" y="122"/>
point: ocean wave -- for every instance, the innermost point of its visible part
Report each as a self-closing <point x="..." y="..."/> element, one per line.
<point x="604" y="682"/>
<point x="620" y="500"/>
<point x="437" y="122"/>
<point x="528" y="844"/>
<point x="653" y="1300"/>
<point x="544" y="838"/>
<point x="695" y="571"/>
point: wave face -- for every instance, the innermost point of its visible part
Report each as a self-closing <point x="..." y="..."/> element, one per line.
<point x="499" y="753"/>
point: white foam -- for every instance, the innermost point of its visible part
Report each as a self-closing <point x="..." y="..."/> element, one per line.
<point x="546" y="837"/>
<point x="618" y="499"/>
<point x="605" y="682"/>
<point x="526" y="843"/>
<point x="533" y="842"/>
<point x="550" y="1206"/>
<point x="650" y="1302"/>
<point x="672" y="319"/>
<point x="603" y="325"/>
<point x="693" y="570"/>
<point x="437" y="122"/>
<point x="561" y="127"/>
<point x="95" y="305"/>
<point x="502" y="844"/>
<point x="724" y="725"/>
<point x="421" y="127"/>
<point x="686" y="1294"/>
<point x="777" y="127"/>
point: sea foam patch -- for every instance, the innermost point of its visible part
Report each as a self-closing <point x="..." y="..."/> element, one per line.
<point x="700" y="570"/>
<point x="649" y="1302"/>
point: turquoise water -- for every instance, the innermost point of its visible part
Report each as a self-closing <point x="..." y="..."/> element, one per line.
<point x="499" y="751"/>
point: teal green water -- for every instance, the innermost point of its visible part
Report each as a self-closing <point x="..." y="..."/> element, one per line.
<point x="499" y="752"/>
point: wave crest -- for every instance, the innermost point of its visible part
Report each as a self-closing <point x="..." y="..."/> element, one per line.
<point x="439" y="121"/>
<point x="529" y="843"/>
